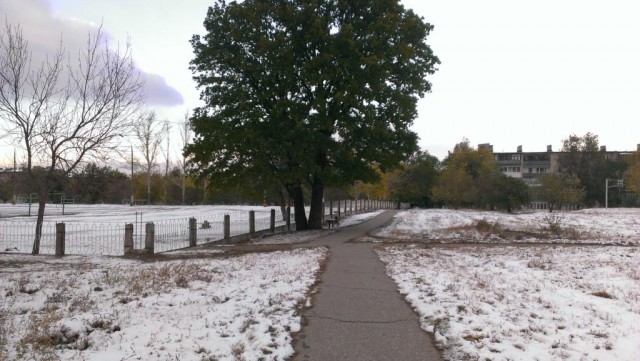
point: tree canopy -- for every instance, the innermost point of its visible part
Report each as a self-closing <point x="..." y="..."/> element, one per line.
<point x="561" y="190"/>
<point x="582" y="157"/>
<point x="307" y="94"/>
<point x="412" y="182"/>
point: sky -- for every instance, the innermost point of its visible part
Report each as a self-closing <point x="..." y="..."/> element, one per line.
<point x="512" y="72"/>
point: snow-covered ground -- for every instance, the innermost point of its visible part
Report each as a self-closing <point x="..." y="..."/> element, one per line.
<point x="606" y="226"/>
<point x="193" y="304"/>
<point x="99" y="229"/>
<point x="100" y="308"/>
<point x="121" y="213"/>
<point x="522" y="302"/>
<point x="528" y="296"/>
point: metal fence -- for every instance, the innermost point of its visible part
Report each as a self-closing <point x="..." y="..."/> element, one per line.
<point x="107" y="238"/>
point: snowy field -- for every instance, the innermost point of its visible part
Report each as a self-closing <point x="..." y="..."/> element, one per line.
<point x="490" y="286"/>
<point x="559" y="300"/>
<point x="122" y="213"/>
<point x="101" y="308"/>
<point x="195" y="304"/>
<point x="99" y="229"/>
<point x="600" y="226"/>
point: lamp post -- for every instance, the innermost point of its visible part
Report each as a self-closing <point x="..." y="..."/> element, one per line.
<point x="618" y="183"/>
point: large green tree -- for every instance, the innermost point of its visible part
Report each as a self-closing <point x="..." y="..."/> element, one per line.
<point x="561" y="190"/>
<point x="632" y="174"/>
<point x="306" y="94"/>
<point x="412" y="182"/>
<point x="466" y="173"/>
<point x="582" y="157"/>
<point x="96" y="184"/>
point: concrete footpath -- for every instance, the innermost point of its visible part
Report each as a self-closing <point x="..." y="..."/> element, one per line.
<point x="358" y="313"/>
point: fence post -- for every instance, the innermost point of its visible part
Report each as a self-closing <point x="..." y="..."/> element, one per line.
<point x="288" y="219"/>
<point x="252" y="223"/>
<point x="60" y="234"/>
<point x="227" y="226"/>
<point x="272" y="226"/>
<point x="150" y="237"/>
<point x="193" y="232"/>
<point x="339" y="210"/>
<point x="128" y="239"/>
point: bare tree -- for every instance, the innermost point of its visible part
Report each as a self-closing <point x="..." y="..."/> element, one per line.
<point x="181" y="164"/>
<point x="185" y="137"/>
<point x="64" y="111"/>
<point x="167" y="160"/>
<point x="149" y="133"/>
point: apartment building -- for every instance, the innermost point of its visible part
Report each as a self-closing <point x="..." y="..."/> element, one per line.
<point x="530" y="166"/>
<point x="526" y="165"/>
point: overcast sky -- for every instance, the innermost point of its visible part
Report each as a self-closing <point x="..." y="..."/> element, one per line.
<point x="513" y="72"/>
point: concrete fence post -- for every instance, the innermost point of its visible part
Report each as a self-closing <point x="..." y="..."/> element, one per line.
<point x="227" y="226"/>
<point x="252" y="223"/>
<point x="272" y="226"/>
<point x="288" y="219"/>
<point x="193" y="232"/>
<point x="128" y="239"/>
<point x="60" y="235"/>
<point x="150" y="237"/>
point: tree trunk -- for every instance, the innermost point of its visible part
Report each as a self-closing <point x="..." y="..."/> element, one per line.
<point x="283" y="203"/>
<point x="184" y="182"/>
<point x="295" y="191"/>
<point x="317" y="210"/>
<point x="42" y="202"/>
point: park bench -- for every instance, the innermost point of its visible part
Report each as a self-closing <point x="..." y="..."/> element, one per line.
<point x="332" y="222"/>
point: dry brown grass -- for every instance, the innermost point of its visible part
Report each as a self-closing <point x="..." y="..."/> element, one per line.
<point x="603" y="294"/>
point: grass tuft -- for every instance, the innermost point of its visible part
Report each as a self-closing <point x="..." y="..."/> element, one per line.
<point x="603" y="294"/>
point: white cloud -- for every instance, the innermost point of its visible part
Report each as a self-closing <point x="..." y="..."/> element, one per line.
<point x="45" y="31"/>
